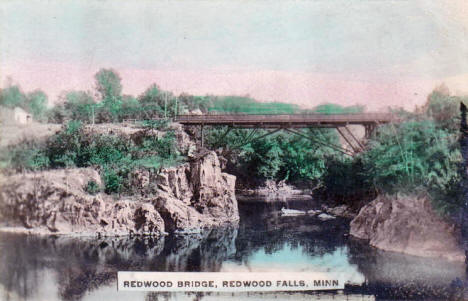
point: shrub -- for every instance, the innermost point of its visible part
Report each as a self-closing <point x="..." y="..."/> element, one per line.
<point x="92" y="187"/>
<point x="27" y="155"/>
<point x="113" y="182"/>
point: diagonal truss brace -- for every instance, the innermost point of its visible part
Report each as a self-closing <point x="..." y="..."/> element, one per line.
<point x="249" y="139"/>
<point x="332" y="146"/>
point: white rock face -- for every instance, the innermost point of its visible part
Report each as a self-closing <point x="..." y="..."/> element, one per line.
<point x="408" y="226"/>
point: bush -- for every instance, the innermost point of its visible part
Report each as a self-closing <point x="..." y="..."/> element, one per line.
<point x="92" y="187"/>
<point x="115" y="156"/>
<point x="113" y="182"/>
<point x="27" y="155"/>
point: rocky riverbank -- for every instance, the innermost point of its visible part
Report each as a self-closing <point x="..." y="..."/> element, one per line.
<point x="191" y="196"/>
<point x="407" y="225"/>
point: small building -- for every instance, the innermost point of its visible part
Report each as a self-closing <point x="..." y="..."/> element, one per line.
<point x="21" y="116"/>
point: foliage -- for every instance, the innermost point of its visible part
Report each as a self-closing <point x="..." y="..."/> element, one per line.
<point x="115" y="156"/>
<point x="131" y="108"/>
<point x="188" y="102"/>
<point x="247" y="105"/>
<point x="444" y="108"/>
<point x="79" y="105"/>
<point x="108" y="83"/>
<point x="345" y="180"/>
<point x="155" y="124"/>
<point x="331" y="108"/>
<point x="37" y="105"/>
<point x="109" y="87"/>
<point x="57" y="114"/>
<point x="34" y="103"/>
<point x="158" y="103"/>
<point x="113" y="180"/>
<point x="12" y="97"/>
<point x="416" y="156"/>
<point x="27" y="155"/>
<point x="92" y="187"/>
<point x="280" y="156"/>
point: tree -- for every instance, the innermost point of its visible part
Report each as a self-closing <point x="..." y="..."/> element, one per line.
<point x="191" y="103"/>
<point x="12" y="97"/>
<point x="130" y="107"/>
<point x="155" y="101"/>
<point x="80" y="105"/>
<point x="443" y="108"/>
<point x="108" y="85"/>
<point x="37" y="104"/>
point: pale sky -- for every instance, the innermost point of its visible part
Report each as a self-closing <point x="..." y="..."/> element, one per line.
<point x="377" y="53"/>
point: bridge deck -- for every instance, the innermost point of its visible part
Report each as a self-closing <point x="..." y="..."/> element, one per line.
<point x="290" y="121"/>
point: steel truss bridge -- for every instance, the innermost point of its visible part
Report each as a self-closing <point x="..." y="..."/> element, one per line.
<point x="293" y="123"/>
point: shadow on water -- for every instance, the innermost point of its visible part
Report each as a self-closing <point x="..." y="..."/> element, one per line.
<point x="65" y="268"/>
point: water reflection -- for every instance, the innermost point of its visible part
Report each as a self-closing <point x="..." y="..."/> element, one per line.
<point x="86" y="264"/>
<point x="392" y="275"/>
<point x="64" y="268"/>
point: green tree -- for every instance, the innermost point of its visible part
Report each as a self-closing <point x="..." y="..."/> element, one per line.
<point x="12" y="97"/>
<point x="108" y="83"/>
<point x="187" y="102"/>
<point x="157" y="103"/>
<point x="131" y="108"/>
<point x="109" y="87"/>
<point x="444" y="108"/>
<point x="57" y="114"/>
<point x="80" y="105"/>
<point x="37" y="104"/>
<point x="152" y="102"/>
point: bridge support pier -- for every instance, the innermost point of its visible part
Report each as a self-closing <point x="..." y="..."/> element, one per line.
<point x="369" y="129"/>
<point x="202" y="136"/>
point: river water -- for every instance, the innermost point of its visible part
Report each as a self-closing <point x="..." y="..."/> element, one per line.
<point x="63" y="268"/>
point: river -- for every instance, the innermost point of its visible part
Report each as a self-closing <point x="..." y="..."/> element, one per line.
<point x="64" y="268"/>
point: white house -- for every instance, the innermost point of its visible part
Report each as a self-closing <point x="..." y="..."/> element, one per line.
<point x="21" y="116"/>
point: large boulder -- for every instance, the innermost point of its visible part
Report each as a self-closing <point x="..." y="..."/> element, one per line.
<point x="408" y="225"/>
<point x="57" y="201"/>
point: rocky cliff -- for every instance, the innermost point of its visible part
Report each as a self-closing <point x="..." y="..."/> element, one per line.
<point x="196" y="194"/>
<point x="407" y="225"/>
<point x="191" y="196"/>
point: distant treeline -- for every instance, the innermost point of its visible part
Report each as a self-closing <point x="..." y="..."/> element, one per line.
<point x="108" y="104"/>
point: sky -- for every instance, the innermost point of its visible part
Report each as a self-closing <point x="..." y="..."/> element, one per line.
<point x="378" y="53"/>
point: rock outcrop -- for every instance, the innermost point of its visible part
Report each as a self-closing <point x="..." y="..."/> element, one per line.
<point x="56" y="201"/>
<point x="196" y="195"/>
<point x="185" y="198"/>
<point x="274" y="191"/>
<point x="407" y="225"/>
